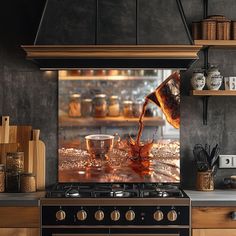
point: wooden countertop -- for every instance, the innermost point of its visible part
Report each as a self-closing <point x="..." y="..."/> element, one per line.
<point x="21" y="199"/>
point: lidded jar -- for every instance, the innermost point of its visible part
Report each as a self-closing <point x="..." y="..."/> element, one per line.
<point x="114" y="106"/>
<point x="27" y="183"/>
<point x="15" y="162"/>
<point x="128" y="108"/>
<point x="214" y="78"/>
<point x="75" y="105"/>
<point x="137" y="108"/>
<point x="198" y="79"/>
<point x="100" y="105"/>
<point x="86" y="107"/>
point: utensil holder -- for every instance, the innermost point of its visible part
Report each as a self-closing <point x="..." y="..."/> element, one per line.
<point x="205" y="181"/>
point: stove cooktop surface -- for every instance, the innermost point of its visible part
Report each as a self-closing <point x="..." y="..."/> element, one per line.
<point x="114" y="190"/>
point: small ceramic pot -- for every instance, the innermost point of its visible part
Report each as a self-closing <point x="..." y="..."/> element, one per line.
<point x="214" y="81"/>
<point x="198" y="81"/>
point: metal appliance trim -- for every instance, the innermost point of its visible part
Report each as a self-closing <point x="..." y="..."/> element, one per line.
<point x="115" y="227"/>
<point x="117" y="202"/>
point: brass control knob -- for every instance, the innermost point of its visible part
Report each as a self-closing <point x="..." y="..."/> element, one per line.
<point x="115" y="215"/>
<point x="158" y="215"/>
<point x="81" y="215"/>
<point x="60" y="215"/>
<point x="99" y="215"/>
<point x="172" y="215"/>
<point x="130" y="215"/>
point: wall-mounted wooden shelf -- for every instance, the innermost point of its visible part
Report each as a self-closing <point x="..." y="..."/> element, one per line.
<point x="217" y="43"/>
<point x="213" y="92"/>
<point x="108" y="78"/>
<point x="65" y="121"/>
<point x="205" y="94"/>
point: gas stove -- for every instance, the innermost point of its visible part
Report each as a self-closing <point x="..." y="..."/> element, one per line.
<point x="115" y="209"/>
<point x="144" y="190"/>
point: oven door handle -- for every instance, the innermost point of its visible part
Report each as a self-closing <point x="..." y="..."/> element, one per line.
<point x="115" y="234"/>
<point x="161" y="234"/>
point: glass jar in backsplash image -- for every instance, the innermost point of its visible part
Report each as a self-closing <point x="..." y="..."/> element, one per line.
<point x="75" y="105"/>
<point x="114" y="106"/>
<point x="100" y="105"/>
<point x="86" y="107"/>
<point x="128" y="108"/>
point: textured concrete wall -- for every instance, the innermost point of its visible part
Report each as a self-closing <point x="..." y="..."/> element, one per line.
<point x="29" y="96"/>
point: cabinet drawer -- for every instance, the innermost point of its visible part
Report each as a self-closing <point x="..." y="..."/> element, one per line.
<point x="19" y="232"/>
<point x="214" y="232"/>
<point x="213" y="217"/>
<point x="19" y="217"/>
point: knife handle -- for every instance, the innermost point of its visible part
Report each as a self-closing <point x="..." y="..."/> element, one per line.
<point x="233" y="215"/>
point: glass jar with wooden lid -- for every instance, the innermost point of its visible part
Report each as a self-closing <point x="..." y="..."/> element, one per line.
<point x="27" y="183"/>
<point x="75" y="105"/>
<point x="100" y="105"/>
<point x="15" y="162"/>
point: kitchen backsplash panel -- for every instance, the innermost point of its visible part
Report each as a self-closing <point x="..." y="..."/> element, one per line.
<point x="30" y="96"/>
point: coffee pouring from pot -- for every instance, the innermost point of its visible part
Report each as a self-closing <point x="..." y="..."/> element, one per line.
<point x="167" y="97"/>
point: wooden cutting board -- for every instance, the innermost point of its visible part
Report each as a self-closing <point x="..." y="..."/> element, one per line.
<point x="4" y="129"/>
<point x="16" y="136"/>
<point x="37" y="151"/>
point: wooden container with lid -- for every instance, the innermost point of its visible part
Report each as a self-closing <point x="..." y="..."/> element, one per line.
<point x="223" y="30"/>
<point x="208" y="29"/>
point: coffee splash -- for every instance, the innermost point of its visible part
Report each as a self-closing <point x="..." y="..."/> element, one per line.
<point x="167" y="97"/>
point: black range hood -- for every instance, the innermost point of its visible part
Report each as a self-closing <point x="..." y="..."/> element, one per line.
<point x="112" y="34"/>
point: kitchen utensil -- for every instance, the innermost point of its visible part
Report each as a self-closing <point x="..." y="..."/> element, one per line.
<point x="4" y="130"/>
<point x="37" y="159"/>
<point x="201" y="156"/>
<point x="214" y="155"/>
<point x="98" y="145"/>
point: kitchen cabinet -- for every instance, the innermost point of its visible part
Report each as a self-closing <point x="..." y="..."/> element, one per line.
<point x="19" y="221"/>
<point x="19" y="232"/>
<point x="116" y="22"/>
<point x="153" y="29"/>
<point x="217" y="221"/>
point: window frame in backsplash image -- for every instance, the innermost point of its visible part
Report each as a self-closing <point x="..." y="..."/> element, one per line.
<point x="132" y="85"/>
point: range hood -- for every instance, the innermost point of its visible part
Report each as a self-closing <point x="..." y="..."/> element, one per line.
<point x="84" y="34"/>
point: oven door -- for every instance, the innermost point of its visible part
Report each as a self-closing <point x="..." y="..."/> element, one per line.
<point x="118" y="231"/>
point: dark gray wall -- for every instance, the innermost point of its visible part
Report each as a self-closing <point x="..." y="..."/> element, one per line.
<point x="29" y="96"/>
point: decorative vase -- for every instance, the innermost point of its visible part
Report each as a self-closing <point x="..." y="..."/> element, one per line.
<point x="198" y="80"/>
<point x="214" y="79"/>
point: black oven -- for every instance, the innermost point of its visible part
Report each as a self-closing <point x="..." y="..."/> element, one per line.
<point x="115" y="217"/>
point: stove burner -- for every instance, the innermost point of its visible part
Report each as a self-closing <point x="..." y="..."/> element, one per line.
<point x="145" y="190"/>
<point x="72" y="193"/>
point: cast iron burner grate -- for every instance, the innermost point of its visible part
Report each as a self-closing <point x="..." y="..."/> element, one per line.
<point x="144" y="190"/>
